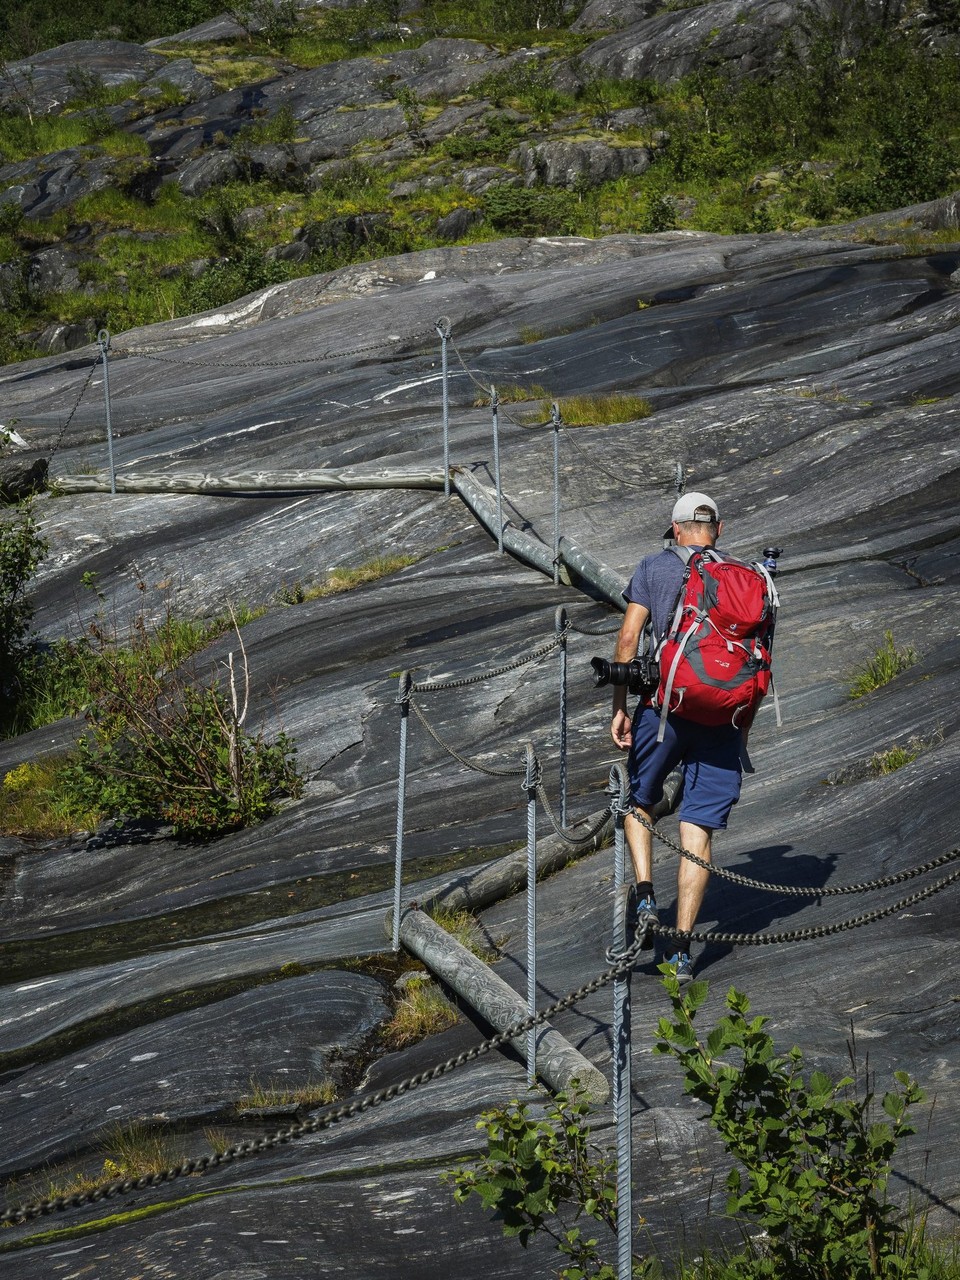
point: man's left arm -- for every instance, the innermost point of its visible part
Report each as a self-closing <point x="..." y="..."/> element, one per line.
<point x="628" y="642"/>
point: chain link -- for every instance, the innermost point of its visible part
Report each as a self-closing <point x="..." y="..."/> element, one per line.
<point x="316" y="1124"/>
<point x="814" y="931"/>
<point x="567" y="834"/>
<point x="799" y="891"/>
<point x="271" y="364"/>
<point x="598" y="466"/>
<point x="428" y="686"/>
<point x="70" y="415"/>
<point x="464" y="760"/>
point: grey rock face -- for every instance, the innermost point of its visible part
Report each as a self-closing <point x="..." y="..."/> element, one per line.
<point x="45" y="185"/>
<point x="54" y="269"/>
<point x="50" y="79"/>
<point x="457" y="224"/>
<point x="57" y="338"/>
<point x="741" y="34"/>
<point x="565" y="164"/>
<point x="207" y="171"/>
<point x="179" y="74"/>
<point x="810" y="384"/>
<point x="613" y="15"/>
<point x="20" y="477"/>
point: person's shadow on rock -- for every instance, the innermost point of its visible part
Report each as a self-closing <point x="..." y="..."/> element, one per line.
<point x="737" y="908"/>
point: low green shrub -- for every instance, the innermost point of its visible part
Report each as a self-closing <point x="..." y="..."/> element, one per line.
<point x="167" y="742"/>
<point x="813" y="1163"/>
<point x="33" y="802"/>
<point x="22" y="550"/>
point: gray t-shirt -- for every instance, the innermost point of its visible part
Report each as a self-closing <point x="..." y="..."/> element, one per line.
<point x="655" y="585"/>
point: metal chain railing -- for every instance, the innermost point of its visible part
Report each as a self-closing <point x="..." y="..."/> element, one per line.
<point x="429" y="686"/>
<point x="813" y="931"/>
<point x="319" y="358"/>
<point x="801" y="891"/>
<point x="598" y="466"/>
<point x="570" y="835"/>
<point x="467" y="763"/>
<point x="316" y="1124"/>
<point x="619" y="965"/>
<point x="70" y="416"/>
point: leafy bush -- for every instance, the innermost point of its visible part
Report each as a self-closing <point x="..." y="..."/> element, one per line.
<point x="225" y="281"/>
<point x="32" y="801"/>
<point x="273" y="20"/>
<point x="163" y="742"/>
<point x="492" y="18"/>
<point x="495" y="140"/>
<point x="544" y="1174"/>
<point x="22" y="549"/>
<point x="531" y="211"/>
<point x="813" y="1161"/>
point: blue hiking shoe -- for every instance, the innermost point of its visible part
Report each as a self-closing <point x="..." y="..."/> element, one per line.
<point x="646" y="915"/>
<point x="682" y="967"/>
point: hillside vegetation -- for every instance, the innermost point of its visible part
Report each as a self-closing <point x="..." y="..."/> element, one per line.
<point x="172" y="209"/>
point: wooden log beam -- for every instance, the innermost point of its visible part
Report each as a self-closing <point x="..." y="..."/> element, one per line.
<point x="483" y="503"/>
<point x="250" y="481"/>
<point x="576" y="567"/>
<point x="558" y="1062"/>
<point x="475" y="890"/>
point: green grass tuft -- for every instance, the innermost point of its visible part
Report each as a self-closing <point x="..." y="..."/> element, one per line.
<point x="887" y="663"/>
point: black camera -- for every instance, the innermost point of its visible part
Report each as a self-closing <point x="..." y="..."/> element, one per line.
<point x="641" y="675"/>
<point x="770" y="557"/>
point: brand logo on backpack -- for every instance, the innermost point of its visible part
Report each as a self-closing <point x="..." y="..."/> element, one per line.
<point x="715" y="655"/>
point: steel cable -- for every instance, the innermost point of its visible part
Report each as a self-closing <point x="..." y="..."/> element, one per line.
<point x="866" y="886"/>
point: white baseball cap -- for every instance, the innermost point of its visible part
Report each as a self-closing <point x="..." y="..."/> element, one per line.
<point x="687" y="506"/>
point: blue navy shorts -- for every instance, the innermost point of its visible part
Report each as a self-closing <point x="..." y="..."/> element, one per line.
<point x="709" y="756"/>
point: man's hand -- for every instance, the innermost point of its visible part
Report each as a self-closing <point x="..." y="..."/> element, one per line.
<point x="620" y="730"/>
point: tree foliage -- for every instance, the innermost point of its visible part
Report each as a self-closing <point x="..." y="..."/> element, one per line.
<point x="22" y="549"/>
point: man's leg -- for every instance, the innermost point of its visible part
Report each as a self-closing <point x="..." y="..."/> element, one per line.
<point x="691" y="879"/>
<point x="649" y="763"/>
<point x="640" y="844"/>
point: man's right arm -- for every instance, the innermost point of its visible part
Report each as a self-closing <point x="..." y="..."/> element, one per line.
<point x="628" y="642"/>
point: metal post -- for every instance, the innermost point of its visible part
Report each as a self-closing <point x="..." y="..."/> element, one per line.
<point x="103" y="342"/>
<point x="530" y="784"/>
<point x="443" y="328"/>
<point x="403" y="698"/>
<point x="495" y="406"/>
<point x="560" y="624"/>
<point x="622" y="1037"/>
<point x="555" y="419"/>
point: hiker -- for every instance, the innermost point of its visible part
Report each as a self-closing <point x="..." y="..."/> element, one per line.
<point x="662" y="739"/>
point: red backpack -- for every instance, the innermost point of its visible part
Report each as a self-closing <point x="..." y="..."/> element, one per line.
<point x="715" y="654"/>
